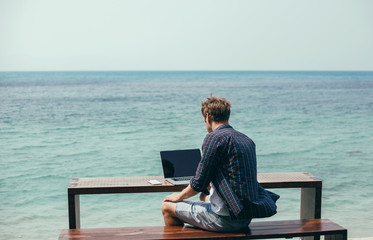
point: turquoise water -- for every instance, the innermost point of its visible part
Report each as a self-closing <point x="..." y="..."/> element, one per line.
<point x="58" y="125"/>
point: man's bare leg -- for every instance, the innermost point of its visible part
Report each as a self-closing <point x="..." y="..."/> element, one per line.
<point x="169" y="215"/>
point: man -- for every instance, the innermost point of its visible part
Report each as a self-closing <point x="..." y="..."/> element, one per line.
<point x="227" y="168"/>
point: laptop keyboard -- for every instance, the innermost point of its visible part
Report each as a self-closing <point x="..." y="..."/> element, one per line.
<point x="181" y="179"/>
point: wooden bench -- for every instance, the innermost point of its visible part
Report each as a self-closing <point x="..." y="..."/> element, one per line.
<point x="311" y="188"/>
<point x="257" y="230"/>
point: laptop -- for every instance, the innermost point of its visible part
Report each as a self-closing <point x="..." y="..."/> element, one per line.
<point x="179" y="166"/>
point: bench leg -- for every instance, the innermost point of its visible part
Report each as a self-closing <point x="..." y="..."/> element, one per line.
<point x="336" y="237"/>
<point x="310" y="206"/>
<point x="74" y="211"/>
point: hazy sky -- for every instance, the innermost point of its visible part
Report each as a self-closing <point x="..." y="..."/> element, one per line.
<point x="186" y="35"/>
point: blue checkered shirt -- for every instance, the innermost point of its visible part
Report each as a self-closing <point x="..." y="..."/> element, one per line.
<point x="229" y="162"/>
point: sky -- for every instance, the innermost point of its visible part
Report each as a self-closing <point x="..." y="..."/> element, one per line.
<point x="126" y="35"/>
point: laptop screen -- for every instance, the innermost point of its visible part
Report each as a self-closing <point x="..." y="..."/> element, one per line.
<point x="180" y="163"/>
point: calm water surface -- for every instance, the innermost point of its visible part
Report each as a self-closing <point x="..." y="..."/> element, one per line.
<point x="58" y="125"/>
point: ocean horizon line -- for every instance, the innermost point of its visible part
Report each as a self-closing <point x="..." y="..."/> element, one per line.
<point x="260" y="71"/>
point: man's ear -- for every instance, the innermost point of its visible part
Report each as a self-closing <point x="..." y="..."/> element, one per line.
<point x="208" y="119"/>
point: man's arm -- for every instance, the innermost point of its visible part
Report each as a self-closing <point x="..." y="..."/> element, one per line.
<point x="177" y="197"/>
<point x="209" y="164"/>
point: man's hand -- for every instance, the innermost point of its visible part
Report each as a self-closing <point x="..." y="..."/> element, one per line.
<point x="178" y="197"/>
<point x="203" y="197"/>
<point x="175" y="197"/>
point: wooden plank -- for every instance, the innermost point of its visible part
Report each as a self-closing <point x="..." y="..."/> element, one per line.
<point x="288" y="180"/>
<point x="104" y="185"/>
<point x="257" y="230"/>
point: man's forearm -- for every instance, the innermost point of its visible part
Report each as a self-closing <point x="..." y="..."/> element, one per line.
<point x="177" y="197"/>
<point x="187" y="193"/>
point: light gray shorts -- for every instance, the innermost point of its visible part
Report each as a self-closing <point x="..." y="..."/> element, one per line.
<point x="199" y="214"/>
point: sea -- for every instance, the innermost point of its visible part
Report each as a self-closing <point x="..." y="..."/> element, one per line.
<point x="55" y="126"/>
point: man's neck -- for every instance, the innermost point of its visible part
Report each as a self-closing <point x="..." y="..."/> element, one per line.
<point x="215" y="125"/>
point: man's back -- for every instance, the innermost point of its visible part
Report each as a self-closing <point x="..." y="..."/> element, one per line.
<point x="232" y="169"/>
<point x="238" y="163"/>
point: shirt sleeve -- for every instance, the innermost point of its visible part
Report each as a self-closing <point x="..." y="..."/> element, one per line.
<point x="208" y="165"/>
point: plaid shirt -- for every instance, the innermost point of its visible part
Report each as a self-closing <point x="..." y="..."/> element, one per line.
<point x="229" y="162"/>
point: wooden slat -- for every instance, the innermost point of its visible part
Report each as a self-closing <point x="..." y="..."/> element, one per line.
<point x="289" y="180"/>
<point x="103" y="185"/>
<point x="257" y="230"/>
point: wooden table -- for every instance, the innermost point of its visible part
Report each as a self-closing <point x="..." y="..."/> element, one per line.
<point x="311" y="188"/>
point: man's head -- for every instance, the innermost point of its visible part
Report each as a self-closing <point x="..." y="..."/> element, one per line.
<point x="215" y="109"/>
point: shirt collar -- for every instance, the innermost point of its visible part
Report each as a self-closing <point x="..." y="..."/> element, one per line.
<point x="223" y="126"/>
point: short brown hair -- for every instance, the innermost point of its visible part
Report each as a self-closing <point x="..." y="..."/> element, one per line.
<point x="218" y="109"/>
